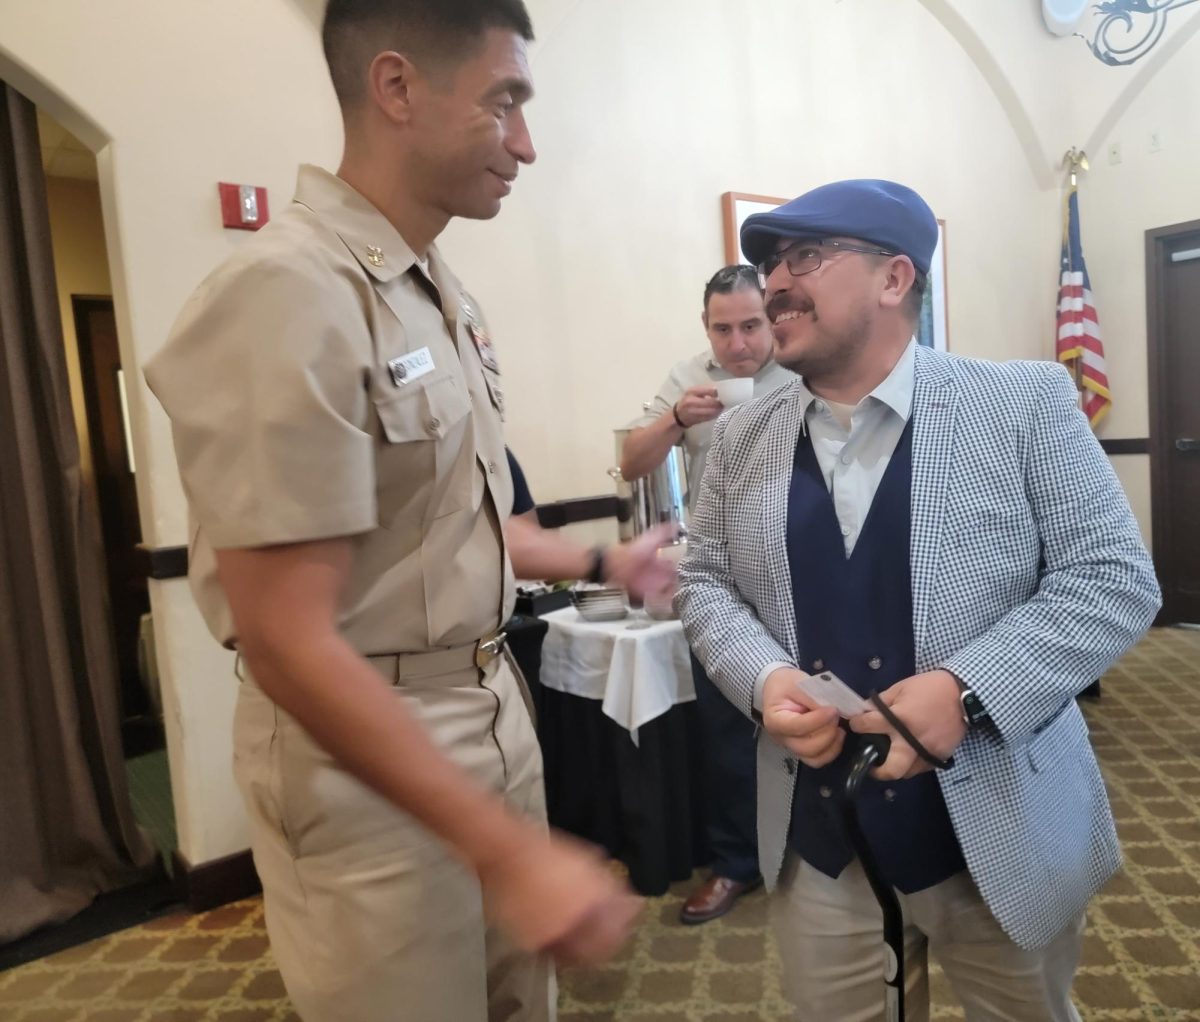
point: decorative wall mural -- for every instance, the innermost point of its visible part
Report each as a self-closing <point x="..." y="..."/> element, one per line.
<point x="1129" y="29"/>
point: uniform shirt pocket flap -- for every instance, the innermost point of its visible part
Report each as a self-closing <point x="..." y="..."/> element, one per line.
<point x="426" y="409"/>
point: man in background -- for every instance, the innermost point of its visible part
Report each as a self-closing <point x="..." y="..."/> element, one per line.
<point x="683" y="411"/>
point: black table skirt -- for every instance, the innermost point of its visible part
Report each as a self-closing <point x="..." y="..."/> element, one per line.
<point x="642" y="803"/>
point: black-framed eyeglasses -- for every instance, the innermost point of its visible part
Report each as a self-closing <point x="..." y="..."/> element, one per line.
<point x="805" y="255"/>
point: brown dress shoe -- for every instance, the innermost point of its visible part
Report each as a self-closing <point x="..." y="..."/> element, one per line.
<point x="713" y="898"/>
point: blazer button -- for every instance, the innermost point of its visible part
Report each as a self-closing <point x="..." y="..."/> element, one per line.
<point x="433" y="425"/>
<point x="889" y="794"/>
<point x="826" y="791"/>
<point x="492" y="467"/>
<point x="818" y="665"/>
<point x="874" y="663"/>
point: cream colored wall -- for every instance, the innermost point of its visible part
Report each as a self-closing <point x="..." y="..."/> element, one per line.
<point x="1118" y="204"/>
<point x="592" y="274"/>
<point x="80" y="268"/>
<point x="1052" y="85"/>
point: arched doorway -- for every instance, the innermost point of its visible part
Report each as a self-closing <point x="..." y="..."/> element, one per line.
<point x="71" y="832"/>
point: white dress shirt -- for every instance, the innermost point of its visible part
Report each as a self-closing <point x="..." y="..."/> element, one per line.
<point x="854" y="460"/>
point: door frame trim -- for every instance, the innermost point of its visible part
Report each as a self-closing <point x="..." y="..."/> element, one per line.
<point x="1157" y="242"/>
<point x="80" y="305"/>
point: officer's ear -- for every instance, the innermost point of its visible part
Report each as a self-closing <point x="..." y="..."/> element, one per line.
<point x="390" y="80"/>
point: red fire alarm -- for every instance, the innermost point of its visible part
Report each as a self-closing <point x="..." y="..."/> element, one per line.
<point x="243" y="207"/>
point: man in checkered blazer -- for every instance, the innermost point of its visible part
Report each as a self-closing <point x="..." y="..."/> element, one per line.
<point x="948" y="533"/>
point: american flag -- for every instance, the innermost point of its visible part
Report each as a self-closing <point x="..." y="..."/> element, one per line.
<point x="1078" y="345"/>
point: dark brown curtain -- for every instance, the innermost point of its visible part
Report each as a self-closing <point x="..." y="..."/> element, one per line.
<point x="66" y="827"/>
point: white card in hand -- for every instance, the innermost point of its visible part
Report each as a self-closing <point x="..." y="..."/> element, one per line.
<point x="827" y="689"/>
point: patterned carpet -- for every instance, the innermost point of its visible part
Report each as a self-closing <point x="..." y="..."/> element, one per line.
<point x="1141" y="959"/>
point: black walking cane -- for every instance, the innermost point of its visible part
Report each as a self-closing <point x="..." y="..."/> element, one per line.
<point x="872" y="751"/>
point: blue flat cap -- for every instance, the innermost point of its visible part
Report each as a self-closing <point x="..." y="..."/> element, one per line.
<point x="882" y="212"/>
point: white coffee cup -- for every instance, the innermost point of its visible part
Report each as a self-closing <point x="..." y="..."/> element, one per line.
<point x="735" y="391"/>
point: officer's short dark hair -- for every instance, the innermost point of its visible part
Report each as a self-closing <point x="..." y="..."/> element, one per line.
<point x="729" y="279"/>
<point x="425" y="31"/>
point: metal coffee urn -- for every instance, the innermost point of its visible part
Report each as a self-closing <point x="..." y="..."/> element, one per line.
<point x="658" y="497"/>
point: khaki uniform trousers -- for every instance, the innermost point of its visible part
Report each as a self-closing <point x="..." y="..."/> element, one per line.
<point x="830" y="937"/>
<point x="370" y="918"/>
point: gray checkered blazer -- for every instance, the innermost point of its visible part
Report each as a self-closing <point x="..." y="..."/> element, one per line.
<point x="1029" y="579"/>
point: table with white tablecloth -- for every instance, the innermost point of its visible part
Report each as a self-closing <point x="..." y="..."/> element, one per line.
<point x="621" y="740"/>
<point x="638" y="668"/>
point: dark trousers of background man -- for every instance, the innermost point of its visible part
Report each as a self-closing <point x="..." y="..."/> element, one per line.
<point x="730" y="781"/>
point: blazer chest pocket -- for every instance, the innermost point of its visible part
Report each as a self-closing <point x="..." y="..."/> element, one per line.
<point x="983" y="526"/>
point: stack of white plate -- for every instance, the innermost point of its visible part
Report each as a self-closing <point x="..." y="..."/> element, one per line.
<point x="606" y="604"/>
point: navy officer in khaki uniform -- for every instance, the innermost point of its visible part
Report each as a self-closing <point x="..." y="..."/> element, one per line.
<point x="336" y="407"/>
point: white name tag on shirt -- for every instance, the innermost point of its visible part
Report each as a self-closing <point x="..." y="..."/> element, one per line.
<point x="412" y="366"/>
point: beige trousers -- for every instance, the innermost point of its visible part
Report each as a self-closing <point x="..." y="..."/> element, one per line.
<point x="370" y="919"/>
<point x="830" y="939"/>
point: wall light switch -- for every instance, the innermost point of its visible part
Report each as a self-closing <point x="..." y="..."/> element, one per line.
<point x="243" y="207"/>
<point x="1156" y="141"/>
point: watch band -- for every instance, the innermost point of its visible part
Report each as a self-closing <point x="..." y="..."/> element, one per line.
<point x="597" y="572"/>
<point x="675" y="414"/>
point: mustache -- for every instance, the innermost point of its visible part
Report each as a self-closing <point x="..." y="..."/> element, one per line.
<point x="781" y="303"/>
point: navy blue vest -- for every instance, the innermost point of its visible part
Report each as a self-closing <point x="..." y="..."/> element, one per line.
<point x="854" y="617"/>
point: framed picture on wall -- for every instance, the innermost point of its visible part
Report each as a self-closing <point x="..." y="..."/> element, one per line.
<point x="933" y="330"/>
<point x="735" y="207"/>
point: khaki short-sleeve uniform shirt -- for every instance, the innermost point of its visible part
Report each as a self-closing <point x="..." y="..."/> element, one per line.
<point x="323" y="383"/>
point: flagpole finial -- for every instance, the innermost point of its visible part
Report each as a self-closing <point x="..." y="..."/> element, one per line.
<point x="1075" y="160"/>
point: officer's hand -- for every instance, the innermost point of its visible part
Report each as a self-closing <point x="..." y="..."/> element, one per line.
<point x="556" y="895"/>
<point x="698" y="404"/>
<point x="808" y="731"/>
<point x="928" y="705"/>
<point x="637" y="567"/>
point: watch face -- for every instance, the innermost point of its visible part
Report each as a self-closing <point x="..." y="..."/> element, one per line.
<point x="973" y="711"/>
